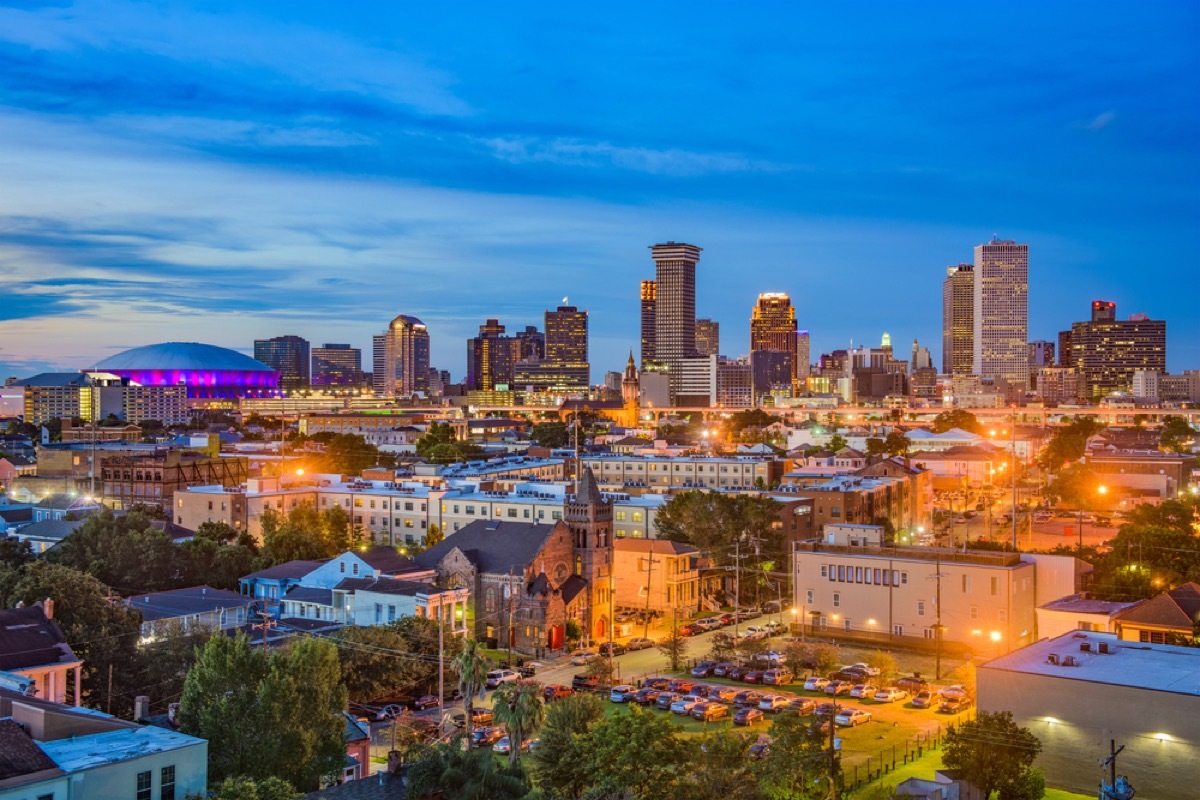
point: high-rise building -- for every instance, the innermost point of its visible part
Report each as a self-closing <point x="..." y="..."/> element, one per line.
<point x="1064" y="349"/>
<point x="287" y="355"/>
<point x="567" y="335"/>
<point x="649" y="299"/>
<point x="336" y="365"/>
<point x="675" y="306"/>
<point x="1041" y="354"/>
<point x="532" y="344"/>
<point x="958" y="320"/>
<point x="708" y="337"/>
<point x="773" y="328"/>
<point x="735" y="383"/>
<point x="771" y="373"/>
<point x="491" y="358"/>
<point x="564" y="367"/>
<point x="1106" y="351"/>
<point x="802" y="363"/>
<point x="1002" y="311"/>
<point x="402" y="358"/>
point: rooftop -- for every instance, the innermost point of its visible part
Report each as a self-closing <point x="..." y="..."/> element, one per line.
<point x="183" y="602"/>
<point x="1077" y="604"/>
<point x="181" y="356"/>
<point x="1160" y="667"/>
<point x="85" y="752"/>
<point x="661" y="546"/>
<point x="29" y="639"/>
<point x="983" y="558"/>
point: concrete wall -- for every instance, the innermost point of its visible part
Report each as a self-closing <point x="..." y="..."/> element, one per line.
<point x="1075" y="719"/>
<point x="120" y="780"/>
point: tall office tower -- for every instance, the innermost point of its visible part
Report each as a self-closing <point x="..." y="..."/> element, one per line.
<point x="649" y="298"/>
<point x="708" y="337"/>
<point x="402" y="358"/>
<point x="336" y="365"/>
<point x="1041" y="354"/>
<point x="771" y="373"/>
<point x="288" y="355"/>
<point x="802" y="363"/>
<point x="1002" y="311"/>
<point x="491" y="357"/>
<point x="567" y="335"/>
<point x="1064" y="349"/>
<point x="921" y="359"/>
<point x="1106" y="351"/>
<point x="675" y="306"/>
<point x="958" y="320"/>
<point x="532" y="344"/>
<point x="773" y="328"/>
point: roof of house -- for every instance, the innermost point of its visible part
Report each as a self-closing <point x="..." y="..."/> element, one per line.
<point x="493" y="546"/>
<point x="388" y="560"/>
<point x="19" y="514"/>
<point x="185" y="602"/>
<point x="1076" y="604"/>
<point x="111" y="747"/>
<point x="381" y="786"/>
<point x="18" y="460"/>
<point x="1177" y="608"/>
<point x="386" y="586"/>
<point x="19" y="754"/>
<point x="28" y="639"/>
<point x="309" y="594"/>
<point x="61" y="502"/>
<point x="51" y="529"/>
<point x="355" y="730"/>
<point x="288" y="569"/>
<point x="661" y="546"/>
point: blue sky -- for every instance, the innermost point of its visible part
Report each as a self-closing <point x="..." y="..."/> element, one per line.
<point x="227" y="171"/>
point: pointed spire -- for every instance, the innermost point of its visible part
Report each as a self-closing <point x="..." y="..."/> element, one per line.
<point x="631" y="364"/>
<point x="588" y="493"/>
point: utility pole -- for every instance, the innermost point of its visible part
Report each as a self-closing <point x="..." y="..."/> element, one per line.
<point x="649" y="573"/>
<point x="937" y="625"/>
<point x="833" y="793"/>
<point x="1117" y="787"/>
<point x="1014" y="477"/>
<point x="266" y="624"/>
<point x="441" y="663"/>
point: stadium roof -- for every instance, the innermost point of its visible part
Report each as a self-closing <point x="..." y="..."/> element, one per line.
<point x="181" y="356"/>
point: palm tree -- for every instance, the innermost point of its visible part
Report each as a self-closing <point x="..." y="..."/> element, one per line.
<point x="472" y="667"/>
<point x="519" y="707"/>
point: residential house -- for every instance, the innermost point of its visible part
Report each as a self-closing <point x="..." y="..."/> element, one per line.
<point x="33" y="646"/>
<point x="1078" y="612"/>
<point x="46" y="534"/>
<point x="62" y="506"/>
<point x="194" y="607"/>
<point x="656" y="575"/>
<point x="1172" y="617"/>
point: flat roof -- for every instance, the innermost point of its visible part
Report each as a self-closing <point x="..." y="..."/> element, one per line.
<point x="97" y="750"/>
<point x="1161" y="667"/>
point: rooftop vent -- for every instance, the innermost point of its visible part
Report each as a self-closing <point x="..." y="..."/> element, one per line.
<point x="1052" y="658"/>
<point x="1085" y="647"/>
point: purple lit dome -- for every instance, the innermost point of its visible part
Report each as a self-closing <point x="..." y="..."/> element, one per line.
<point x="208" y="371"/>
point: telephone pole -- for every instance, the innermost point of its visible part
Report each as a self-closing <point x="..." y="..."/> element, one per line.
<point x="937" y="632"/>
<point x="649" y="573"/>
<point x="1117" y="787"/>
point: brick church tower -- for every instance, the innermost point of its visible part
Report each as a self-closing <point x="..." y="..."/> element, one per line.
<point x="590" y="517"/>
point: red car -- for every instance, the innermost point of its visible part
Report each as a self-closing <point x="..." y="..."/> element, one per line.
<point x="753" y="676"/>
<point x="690" y="630"/>
<point x="556" y="690"/>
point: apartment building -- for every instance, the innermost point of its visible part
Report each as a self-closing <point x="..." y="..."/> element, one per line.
<point x="685" y="472"/>
<point x="656" y="575"/>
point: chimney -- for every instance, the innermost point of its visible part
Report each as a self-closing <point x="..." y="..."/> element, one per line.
<point x="173" y="714"/>
<point x="48" y="608"/>
<point x="141" y="707"/>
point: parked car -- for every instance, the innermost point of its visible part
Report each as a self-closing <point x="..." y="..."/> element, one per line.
<point x="747" y="698"/>
<point x="753" y="633"/>
<point x="953" y="705"/>
<point x="486" y="736"/>
<point x="827" y="710"/>
<point x="724" y="694"/>
<point x="585" y="683"/>
<point x="838" y="687"/>
<point x="504" y="745"/>
<point x="699" y="691"/>
<point x="773" y="703"/>
<point x="708" y="712"/>
<point x="638" y="643"/>
<point x="681" y="685"/>
<point x="753" y="676"/>
<point x="956" y="691"/>
<point x="690" y="630"/>
<point x="912" y="683"/>
<point x="727" y="618"/>
<point x="666" y="700"/>
<point x="758" y="750"/>
<point x="890" y="695"/>
<point x="425" y="701"/>
<point x="656" y="683"/>
<point x="864" y="667"/>
<point x="617" y="648"/>
<point x="528" y="670"/>
<point x="775" y="628"/>
<point x="582" y="656"/>
<point x="924" y="699"/>
<point x="802" y="706"/>
<point x="737" y="673"/>
<point x="709" y="623"/>
<point x="852" y="717"/>
<point x="703" y="669"/>
<point x="747" y="716"/>
<point x="864" y="690"/>
<point x="499" y="676"/>
<point x="390" y="711"/>
<point x="771" y="658"/>
<point x="721" y="670"/>
<point x="684" y="705"/>
<point x="622" y="693"/>
<point x="646" y="696"/>
<point x="852" y="675"/>
<point x="778" y="677"/>
<point x="815" y="684"/>
<point x="480" y="716"/>
<point x="556" y="691"/>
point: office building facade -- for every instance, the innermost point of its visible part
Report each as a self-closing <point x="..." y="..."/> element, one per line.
<point x="708" y="337"/>
<point x="402" y="356"/>
<point x="773" y="328"/>
<point x="1001" y="308"/>
<point x="287" y="355"/>
<point x="1106" y="351"/>
<point x="958" y="320"/>
<point x="649" y="294"/>
<point x="491" y="358"/>
<point x="675" y="306"/>
<point x="336" y="365"/>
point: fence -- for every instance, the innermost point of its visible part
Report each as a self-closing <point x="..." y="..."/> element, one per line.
<point x="887" y="760"/>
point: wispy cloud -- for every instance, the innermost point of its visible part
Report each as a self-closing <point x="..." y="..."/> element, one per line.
<point x="1101" y="120"/>
<point x="668" y="161"/>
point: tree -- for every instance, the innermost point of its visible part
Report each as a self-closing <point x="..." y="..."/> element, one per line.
<point x="14" y="553"/>
<point x="896" y="443"/>
<point x="992" y="752"/>
<point x="796" y="766"/>
<point x="719" y="770"/>
<point x="125" y="552"/>
<point x="715" y="521"/>
<point x="1068" y="443"/>
<point x="267" y="715"/>
<point x="521" y="709"/>
<point x="371" y="670"/>
<point x="440" y="445"/>
<point x="165" y="661"/>
<point x="956" y="418"/>
<point x="836" y="443"/>
<point x="885" y="662"/>
<point x="1176" y="435"/>
<point x="243" y="788"/>
<point x="550" y="434"/>
<point x="636" y="754"/>
<point x="432" y="536"/>
<point x="875" y="447"/>
<point x="471" y="775"/>
<point x="964" y="676"/>
<point x="559" y="761"/>
<point x="824" y="655"/>
<point x="472" y="667"/>
<point x="674" y="646"/>
<point x="1074" y="486"/>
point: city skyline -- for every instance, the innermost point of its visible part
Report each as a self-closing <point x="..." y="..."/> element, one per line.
<point x="196" y="187"/>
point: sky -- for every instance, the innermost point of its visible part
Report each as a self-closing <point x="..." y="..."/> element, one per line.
<point x="221" y="172"/>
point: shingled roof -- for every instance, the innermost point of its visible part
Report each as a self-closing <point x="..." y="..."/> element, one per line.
<point x="493" y="546"/>
<point x="19" y="754"/>
<point x="1177" y="608"/>
<point x="29" y="639"/>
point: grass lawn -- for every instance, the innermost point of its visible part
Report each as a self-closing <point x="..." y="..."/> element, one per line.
<point x="925" y="766"/>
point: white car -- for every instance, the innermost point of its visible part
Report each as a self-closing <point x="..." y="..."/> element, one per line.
<point x="815" y="684"/>
<point x="863" y="690"/>
<point x="890" y="695"/>
<point x="754" y="633"/>
<point x="582" y="656"/>
<point x="956" y="691"/>
<point x="862" y="667"/>
<point x="684" y="705"/>
<point x="771" y="658"/>
<point x="499" y="676"/>
<point x="852" y="718"/>
<point x="621" y="694"/>
<point x="773" y="702"/>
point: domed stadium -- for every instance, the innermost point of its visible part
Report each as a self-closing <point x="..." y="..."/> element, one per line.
<point x="208" y="371"/>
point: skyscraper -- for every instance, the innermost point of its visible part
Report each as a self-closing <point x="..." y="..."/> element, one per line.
<point x="288" y="355"/>
<point x="336" y="365"/>
<point x="402" y="358"/>
<point x="958" y="320"/>
<point x="802" y="363"/>
<point x="1002" y="311"/>
<point x="491" y="357"/>
<point x="708" y="337"/>
<point x="1106" y="351"/>
<point x="773" y="328"/>
<point x="675" y="306"/>
<point x="532" y="343"/>
<point x="649" y="299"/>
<point x="565" y="367"/>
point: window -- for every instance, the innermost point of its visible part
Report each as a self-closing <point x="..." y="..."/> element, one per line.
<point x="408" y="523"/>
<point x="372" y="502"/>
<point x="391" y="613"/>
<point x="995" y="586"/>
<point x="898" y="630"/>
<point x="858" y="575"/>
<point x="966" y="584"/>
<point x="355" y="569"/>
<point x="512" y="512"/>
<point x="824" y="570"/>
<point x="974" y="612"/>
<point x="808" y="597"/>
<point x="342" y="566"/>
<point x="878" y="577"/>
<point x="620" y="515"/>
<point x="166" y="790"/>
<point x="837" y="599"/>
<point x="929" y="633"/>
<point x="920" y="608"/>
<point x="903" y="577"/>
<point x="144" y="789"/>
<point x="637" y="516"/>
<point x="841" y="573"/>
<point x="847" y="623"/>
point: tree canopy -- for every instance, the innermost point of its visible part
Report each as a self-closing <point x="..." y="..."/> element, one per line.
<point x="993" y="753"/>
<point x="307" y="534"/>
<point x="956" y="418"/>
<point x="441" y="446"/>
<point x="1068" y="443"/>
